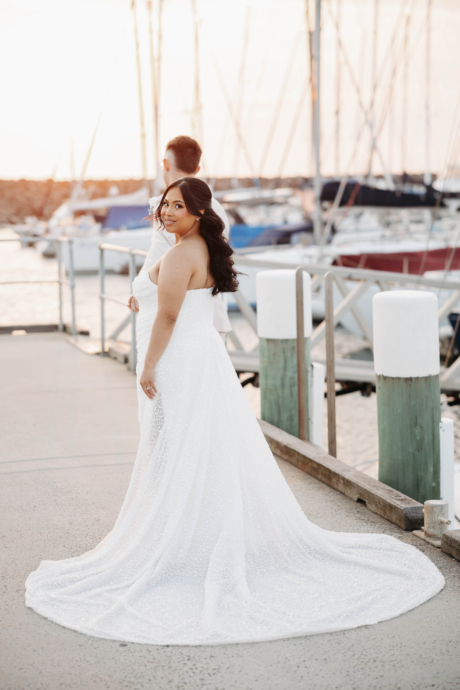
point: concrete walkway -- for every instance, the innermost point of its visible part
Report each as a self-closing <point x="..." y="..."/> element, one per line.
<point x="69" y="436"/>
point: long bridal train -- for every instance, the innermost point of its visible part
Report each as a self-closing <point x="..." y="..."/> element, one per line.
<point x="210" y="545"/>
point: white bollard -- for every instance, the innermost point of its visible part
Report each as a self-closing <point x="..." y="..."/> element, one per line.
<point x="446" y="434"/>
<point x="276" y="326"/>
<point x="406" y="358"/>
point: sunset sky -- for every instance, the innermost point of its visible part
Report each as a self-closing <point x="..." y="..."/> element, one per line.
<point x="66" y="61"/>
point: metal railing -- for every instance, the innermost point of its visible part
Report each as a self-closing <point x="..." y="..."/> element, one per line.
<point x="59" y="280"/>
<point x="330" y="360"/>
<point x="131" y="318"/>
<point x="363" y="279"/>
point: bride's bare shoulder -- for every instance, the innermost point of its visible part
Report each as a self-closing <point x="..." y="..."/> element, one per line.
<point x="179" y="255"/>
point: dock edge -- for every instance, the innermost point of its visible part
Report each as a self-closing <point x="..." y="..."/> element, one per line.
<point x="399" y="509"/>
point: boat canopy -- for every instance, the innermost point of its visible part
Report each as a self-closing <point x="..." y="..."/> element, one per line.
<point x="141" y="196"/>
<point x="130" y="217"/>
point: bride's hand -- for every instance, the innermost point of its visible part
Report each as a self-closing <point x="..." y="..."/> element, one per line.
<point x="133" y="304"/>
<point x="147" y="382"/>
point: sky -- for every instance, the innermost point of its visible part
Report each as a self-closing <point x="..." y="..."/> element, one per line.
<point x="69" y="66"/>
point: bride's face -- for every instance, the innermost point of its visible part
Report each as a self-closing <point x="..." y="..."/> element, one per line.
<point x="174" y="213"/>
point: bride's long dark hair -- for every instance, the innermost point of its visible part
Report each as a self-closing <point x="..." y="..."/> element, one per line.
<point x="197" y="196"/>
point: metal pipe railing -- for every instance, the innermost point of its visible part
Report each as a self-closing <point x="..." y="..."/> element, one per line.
<point x="132" y="253"/>
<point x="132" y="275"/>
<point x="60" y="280"/>
<point x="102" y="297"/>
<point x="351" y="273"/>
<point x="301" y="369"/>
<point x="330" y="364"/>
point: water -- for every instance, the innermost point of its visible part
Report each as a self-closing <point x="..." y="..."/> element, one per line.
<point x="39" y="304"/>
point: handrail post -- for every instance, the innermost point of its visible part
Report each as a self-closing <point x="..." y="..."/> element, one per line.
<point x="330" y="363"/>
<point x="59" y="253"/>
<point x="101" y="278"/>
<point x="301" y="370"/>
<point x="72" y="286"/>
<point x="132" y="275"/>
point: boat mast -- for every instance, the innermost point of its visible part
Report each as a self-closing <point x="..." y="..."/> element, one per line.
<point x="427" y="175"/>
<point x="405" y="87"/>
<point x="155" y="79"/>
<point x="141" y="100"/>
<point x="240" y="95"/>
<point x="337" y="93"/>
<point x="374" y="81"/>
<point x="315" y="55"/>
<point x="197" y="124"/>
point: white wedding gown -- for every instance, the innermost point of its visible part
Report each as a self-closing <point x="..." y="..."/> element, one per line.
<point x="210" y="545"/>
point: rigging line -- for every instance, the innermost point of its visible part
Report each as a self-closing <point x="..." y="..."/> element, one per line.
<point x="448" y="262"/>
<point x="260" y="77"/>
<point x="78" y="186"/>
<point x="223" y="135"/>
<point x="397" y="63"/>
<point x="40" y="208"/>
<point x="241" y="82"/>
<point x="279" y="104"/>
<point x="388" y="52"/>
<point x="294" y="124"/>
<point x="451" y="142"/>
<point x="452" y="137"/>
<point x="342" y="185"/>
<point x="389" y="49"/>
<point x="231" y="111"/>
<point x="387" y="175"/>
<point x="196" y="108"/>
<point x="140" y="95"/>
<point x="155" y="96"/>
<point x="344" y="180"/>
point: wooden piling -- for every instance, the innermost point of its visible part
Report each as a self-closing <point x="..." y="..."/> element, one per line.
<point x="278" y="384"/>
<point x="330" y="364"/>
<point x="406" y="356"/>
<point x="279" y="350"/>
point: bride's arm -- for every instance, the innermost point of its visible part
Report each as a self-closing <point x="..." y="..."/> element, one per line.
<point x="173" y="280"/>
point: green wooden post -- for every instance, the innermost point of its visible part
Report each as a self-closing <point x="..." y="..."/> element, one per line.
<point x="276" y="322"/>
<point x="406" y="355"/>
<point x="278" y="383"/>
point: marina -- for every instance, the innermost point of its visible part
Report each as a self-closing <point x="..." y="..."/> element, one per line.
<point x="179" y="542"/>
<point x="357" y="411"/>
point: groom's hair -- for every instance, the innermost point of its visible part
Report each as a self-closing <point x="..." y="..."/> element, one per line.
<point x="187" y="153"/>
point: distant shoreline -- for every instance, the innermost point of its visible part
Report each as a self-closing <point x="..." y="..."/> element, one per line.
<point x="40" y="198"/>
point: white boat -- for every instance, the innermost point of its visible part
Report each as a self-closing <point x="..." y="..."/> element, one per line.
<point x="122" y="225"/>
<point x="86" y="251"/>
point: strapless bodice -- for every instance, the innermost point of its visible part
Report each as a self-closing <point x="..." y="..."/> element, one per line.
<point x="195" y="317"/>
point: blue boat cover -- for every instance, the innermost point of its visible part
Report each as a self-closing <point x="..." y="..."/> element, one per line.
<point x="264" y="235"/>
<point x="279" y="234"/>
<point x="241" y="235"/>
<point x="129" y="217"/>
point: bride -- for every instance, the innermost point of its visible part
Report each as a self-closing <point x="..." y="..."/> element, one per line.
<point x="210" y="545"/>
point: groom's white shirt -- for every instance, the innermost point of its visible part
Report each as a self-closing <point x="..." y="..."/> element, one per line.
<point x="163" y="240"/>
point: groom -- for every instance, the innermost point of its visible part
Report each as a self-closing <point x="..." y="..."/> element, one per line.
<point x="182" y="159"/>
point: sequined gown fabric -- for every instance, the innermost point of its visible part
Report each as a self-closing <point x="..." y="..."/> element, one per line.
<point x="210" y="545"/>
